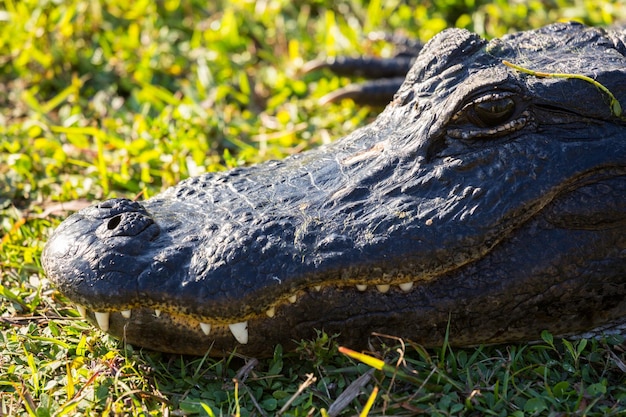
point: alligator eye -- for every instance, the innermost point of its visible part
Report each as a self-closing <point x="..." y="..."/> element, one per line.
<point x="494" y="112"/>
<point x="490" y="116"/>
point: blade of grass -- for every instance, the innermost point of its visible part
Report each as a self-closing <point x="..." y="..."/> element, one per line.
<point x="389" y="370"/>
<point x="616" y="109"/>
<point x="370" y="402"/>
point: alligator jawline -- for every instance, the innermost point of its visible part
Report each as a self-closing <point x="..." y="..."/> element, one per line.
<point x="239" y="329"/>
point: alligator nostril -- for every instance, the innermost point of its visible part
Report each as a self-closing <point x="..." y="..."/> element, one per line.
<point x="114" y="222"/>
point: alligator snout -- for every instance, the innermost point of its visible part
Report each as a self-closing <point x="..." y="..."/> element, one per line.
<point x="107" y="243"/>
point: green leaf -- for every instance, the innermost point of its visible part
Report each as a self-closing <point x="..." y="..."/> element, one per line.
<point x="561" y="389"/>
<point x="596" y="389"/>
<point x="535" y="405"/>
<point x="547" y="337"/>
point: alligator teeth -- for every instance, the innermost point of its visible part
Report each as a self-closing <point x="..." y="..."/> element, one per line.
<point x="382" y="288"/>
<point x="240" y="331"/>
<point x="81" y="310"/>
<point x="270" y="312"/>
<point x="406" y="286"/>
<point x="126" y="314"/>
<point x="157" y="313"/>
<point x="206" y="328"/>
<point x="318" y="288"/>
<point x="103" y="320"/>
<point x="293" y="299"/>
<point x="361" y="287"/>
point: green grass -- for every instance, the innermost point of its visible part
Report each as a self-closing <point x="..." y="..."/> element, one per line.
<point x="122" y="98"/>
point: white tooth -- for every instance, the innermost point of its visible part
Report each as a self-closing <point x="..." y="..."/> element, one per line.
<point x="270" y="312"/>
<point x="406" y="286"/>
<point x="157" y="313"/>
<point x="382" y="288"/>
<point x="318" y="288"/>
<point x="292" y="299"/>
<point x="361" y="287"/>
<point x="206" y="328"/>
<point x="240" y="331"/>
<point x="82" y="310"/>
<point x="126" y="314"/>
<point x="103" y="320"/>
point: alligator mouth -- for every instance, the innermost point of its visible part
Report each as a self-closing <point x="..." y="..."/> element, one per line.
<point x="135" y="229"/>
<point x="210" y="326"/>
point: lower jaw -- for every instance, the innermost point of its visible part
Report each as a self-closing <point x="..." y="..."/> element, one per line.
<point x="164" y="332"/>
<point x="175" y="333"/>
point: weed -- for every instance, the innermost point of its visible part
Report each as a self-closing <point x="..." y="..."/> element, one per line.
<point x="102" y="99"/>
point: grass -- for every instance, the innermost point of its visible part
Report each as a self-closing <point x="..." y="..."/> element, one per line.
<point x="119" y="98"/>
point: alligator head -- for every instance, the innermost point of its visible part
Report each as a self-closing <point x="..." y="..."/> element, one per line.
<point x="483" y="200"/>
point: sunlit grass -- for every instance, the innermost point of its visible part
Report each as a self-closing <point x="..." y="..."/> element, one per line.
<point x="125" y="98"/>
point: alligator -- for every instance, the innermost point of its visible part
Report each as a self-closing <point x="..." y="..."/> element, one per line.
<point x="484" y="205"/>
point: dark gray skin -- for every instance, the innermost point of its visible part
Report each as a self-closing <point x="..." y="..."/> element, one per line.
<point x="500" y="195"/>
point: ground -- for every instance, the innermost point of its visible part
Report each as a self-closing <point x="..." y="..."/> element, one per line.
<point x="103" y="99"/>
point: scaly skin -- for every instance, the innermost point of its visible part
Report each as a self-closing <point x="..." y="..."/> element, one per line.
<point x="483" y="198"/>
